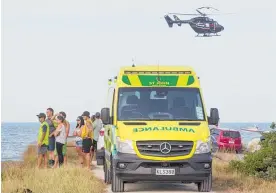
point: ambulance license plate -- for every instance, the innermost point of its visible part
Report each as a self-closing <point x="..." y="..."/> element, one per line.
<point x="165" y="172"/>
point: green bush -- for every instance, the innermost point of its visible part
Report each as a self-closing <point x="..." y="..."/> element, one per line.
<point x="261" y="163"/>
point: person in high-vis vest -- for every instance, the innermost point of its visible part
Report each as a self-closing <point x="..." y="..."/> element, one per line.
<point x="87" y="137"/>
<point x="42" y="141"/>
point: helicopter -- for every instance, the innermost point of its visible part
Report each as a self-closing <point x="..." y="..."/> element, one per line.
<point x="201" y="24"/>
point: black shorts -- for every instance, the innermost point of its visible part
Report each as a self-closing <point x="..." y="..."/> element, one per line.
<point x="86" y="145"/>
<point x="94" y="148"/>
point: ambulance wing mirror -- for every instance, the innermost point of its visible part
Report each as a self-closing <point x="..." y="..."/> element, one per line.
<point x="214" y="117"/>
<point x="105" y="116"/>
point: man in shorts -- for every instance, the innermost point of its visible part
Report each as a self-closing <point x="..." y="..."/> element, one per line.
<point x="67" y="127"/>
<point x="42" y="141"/>
<point x="97" y="126"/>
<point x="52" y="142"/>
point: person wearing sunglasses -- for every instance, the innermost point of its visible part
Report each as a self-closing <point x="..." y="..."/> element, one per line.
<point x="60" y="134"/>
<point x="78" y="139"/>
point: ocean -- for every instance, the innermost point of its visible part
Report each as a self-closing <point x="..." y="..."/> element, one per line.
<point x="15" y="137"/>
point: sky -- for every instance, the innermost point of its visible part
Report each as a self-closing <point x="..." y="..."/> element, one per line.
<point x="60" y="54"/>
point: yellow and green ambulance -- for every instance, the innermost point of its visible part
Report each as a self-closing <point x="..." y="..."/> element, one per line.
<point x="156" y="128"/>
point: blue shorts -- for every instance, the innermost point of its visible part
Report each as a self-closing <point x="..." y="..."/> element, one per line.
<point x="79" y="143"/>
<point x="42" y="150"/>
<point x="52" y="143"/>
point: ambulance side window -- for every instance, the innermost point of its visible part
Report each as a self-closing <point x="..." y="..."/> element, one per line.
<point x="112" y="108"/>
<point x="110" y="102"/>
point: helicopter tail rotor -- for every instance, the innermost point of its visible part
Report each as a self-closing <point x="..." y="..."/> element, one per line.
<point x="169" y="20"/>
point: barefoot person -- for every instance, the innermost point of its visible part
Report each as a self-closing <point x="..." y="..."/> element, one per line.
<point x="78" y="139"/>
<point x="87" y="136"/>
<point x="60" y="134"/>
<point x="52" y="142"/>
<point x="42" y="141"/>
<point x="67" y="128"/>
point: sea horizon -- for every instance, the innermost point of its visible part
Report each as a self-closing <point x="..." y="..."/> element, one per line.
<point x="17" y="136"/>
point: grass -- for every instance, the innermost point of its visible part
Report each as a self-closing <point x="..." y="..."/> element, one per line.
<point x="19" y="176"/>
<point x="225" y="180"/>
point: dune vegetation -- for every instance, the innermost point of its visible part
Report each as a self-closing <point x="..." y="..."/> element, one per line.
<point x="19" y="177"/>
<point x="226" y="179"/>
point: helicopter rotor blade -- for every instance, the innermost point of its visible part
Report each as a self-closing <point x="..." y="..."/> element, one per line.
<point x="184" y="13"/>
<point x="200" y="12"/>
<point x="219" y="14"/>
<point x="208" y="8"/>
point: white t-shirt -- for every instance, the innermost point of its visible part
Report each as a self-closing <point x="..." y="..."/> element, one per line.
<point x="97" y="126"/>
<point x="61" y="138"/>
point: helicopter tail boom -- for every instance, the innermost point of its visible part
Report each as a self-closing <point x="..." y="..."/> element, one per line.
<point x="176" y="21"/>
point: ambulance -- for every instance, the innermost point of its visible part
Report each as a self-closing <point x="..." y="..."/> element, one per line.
<point x="156" y="128"/>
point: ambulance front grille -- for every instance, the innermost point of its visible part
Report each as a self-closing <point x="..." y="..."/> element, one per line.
<point x="165" y="148"/>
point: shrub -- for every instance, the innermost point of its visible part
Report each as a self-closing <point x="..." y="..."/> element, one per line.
<point x="261" y="163"/>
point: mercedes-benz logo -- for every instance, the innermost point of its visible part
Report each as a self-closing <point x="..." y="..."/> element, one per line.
<point x="165" y="148"/>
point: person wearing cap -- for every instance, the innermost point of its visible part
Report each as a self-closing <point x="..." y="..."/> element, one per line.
<point x="97" y="126"/>
<point x="67" y="127"/>
<point x="42" y="141"/>
<point x="87" y="137"/>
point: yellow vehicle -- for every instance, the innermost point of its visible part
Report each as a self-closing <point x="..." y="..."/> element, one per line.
<point x="156" y="128"/>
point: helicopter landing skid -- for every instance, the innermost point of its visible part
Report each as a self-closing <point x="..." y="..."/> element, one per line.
<point x="207" y="35"/>
<point x="199" y="36"/>
<point x="216" y="35"/>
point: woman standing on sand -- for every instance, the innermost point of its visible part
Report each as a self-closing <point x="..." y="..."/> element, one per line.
<point x="60" y="134"/>
<point x="77" y="133"/>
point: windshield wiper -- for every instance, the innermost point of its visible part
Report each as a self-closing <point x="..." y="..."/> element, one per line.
<point x="160" y="119"/>
<point x="186" y="119"/>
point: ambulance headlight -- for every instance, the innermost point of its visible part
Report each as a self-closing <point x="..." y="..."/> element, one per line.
<point x="124" y="146"/>
<point x="203" y="147"/>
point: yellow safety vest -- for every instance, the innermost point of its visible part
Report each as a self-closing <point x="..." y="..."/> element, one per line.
<point x="40" y="132"/>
